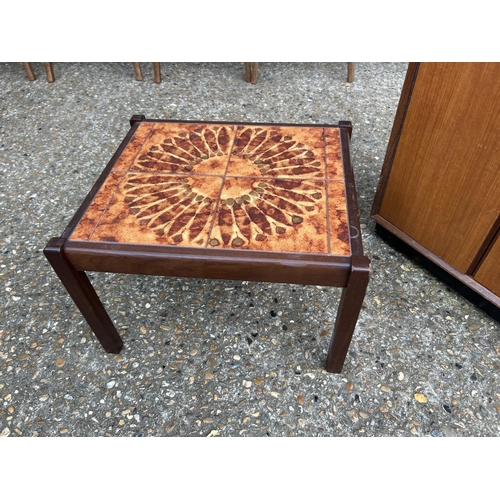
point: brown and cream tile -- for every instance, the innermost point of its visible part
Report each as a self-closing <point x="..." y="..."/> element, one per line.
<point x="161" y="210"/>
<point x="182" y="148"/>
<point x="278" y="152"/>
<point x="333" y="154"/>
<point x="129" y="154"/>
<point x="287" y="215"/>
<point x="337" y="211"/>
<point x="90" y="219"/>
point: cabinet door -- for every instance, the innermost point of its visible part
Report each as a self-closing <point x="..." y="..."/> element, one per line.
<point x="488" y="273"/>
<point x="443" y="188"/>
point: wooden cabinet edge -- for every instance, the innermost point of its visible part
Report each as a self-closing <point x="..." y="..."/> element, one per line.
<point x="397" y="128"/>
<point x="421" y="254"/>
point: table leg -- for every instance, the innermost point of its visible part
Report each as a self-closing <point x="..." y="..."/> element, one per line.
<point x="137" y="71"/>
<point x="350" y="72"/>
<point x="251" y="72"/>
<point x="49" y="70"/>
<point x="29" y="71"/>
<point x="83" y="294"/>
<point x="157" y="72"/>
<point x="350" y="306"/>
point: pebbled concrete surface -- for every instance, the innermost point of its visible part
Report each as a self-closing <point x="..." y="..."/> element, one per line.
<point x="219" y="358"/>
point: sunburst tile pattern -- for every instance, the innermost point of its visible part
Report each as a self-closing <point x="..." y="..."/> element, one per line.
<point x="184" y="149"/>
<point x="248" y="187"/>
<point x="278" y="152"/>
<point x="272" y="214"/>
<point x="160" y="210"/>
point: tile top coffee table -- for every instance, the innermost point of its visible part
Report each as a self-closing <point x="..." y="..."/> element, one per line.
<point x="239" y="201"/>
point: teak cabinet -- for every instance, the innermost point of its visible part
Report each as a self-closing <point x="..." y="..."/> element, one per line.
<point x="439" y="193"/>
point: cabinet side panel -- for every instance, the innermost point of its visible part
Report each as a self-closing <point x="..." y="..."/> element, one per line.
<point x="444" y="185"/>
<point x="397" y="127"/>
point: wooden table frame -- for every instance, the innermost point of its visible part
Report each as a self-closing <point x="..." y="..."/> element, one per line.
<point x="70" y="259"/>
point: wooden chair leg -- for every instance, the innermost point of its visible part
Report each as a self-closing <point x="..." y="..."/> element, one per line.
<point x="350" y="72"/>
<point x="347" y="316"/>
<point x="29" y="71"/>
<point x="157" y="72"/>
<point x="255" y="72"/>
<point x="248" y="72"/>
<point x="85" y="297"/>
<point x="50" y="71"/>
<point x="137" y="71"/>
<point x="251" y="72"/>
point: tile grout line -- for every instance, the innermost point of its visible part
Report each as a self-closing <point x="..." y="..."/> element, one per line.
<point x="222" y="187"/>
<point x="121" y="180"/>
<point x="327" y="207"/>
<point x="192" y="174"/>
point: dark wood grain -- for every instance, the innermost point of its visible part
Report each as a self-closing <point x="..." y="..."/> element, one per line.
<point x="84" y="296"/>
<point x="351" y="198"/>
<point x="350" y="306"/>
<point x="136" y="119"/>
<point x="209" y="263"/>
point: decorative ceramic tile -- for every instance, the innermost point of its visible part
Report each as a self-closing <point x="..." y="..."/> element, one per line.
<point x="266" y="188"/>
<point x="160" y="209"/>
<point x="288" y="215"/>
<point x="126" y="159"/>
<point x="186" y="148"/>
<point x="278" y="152"/>
<point x="333" y="154"/>
<point x="94" y="213"/>
<point x="337" y="215"/>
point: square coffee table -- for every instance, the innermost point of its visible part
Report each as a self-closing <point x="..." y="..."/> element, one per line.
<point x="217" y="200"/>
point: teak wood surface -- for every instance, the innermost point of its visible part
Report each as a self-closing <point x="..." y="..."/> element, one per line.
<point x="439" y="189"/>
<point x="257" y="202"/>
<point x="444" y="183"/>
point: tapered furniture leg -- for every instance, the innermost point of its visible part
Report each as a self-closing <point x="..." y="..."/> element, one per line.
<point x="29" y="71"/>
<point x="82" y="292"/>
<point x="49" y="70"/>
<point x="157" y="72"/>
<point x="350" y="72"/>
<point x="137" y="71"/>
<point x="350" y="306"/>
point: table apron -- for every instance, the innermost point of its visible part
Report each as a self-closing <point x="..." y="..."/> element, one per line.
<point x="303" y="272"/>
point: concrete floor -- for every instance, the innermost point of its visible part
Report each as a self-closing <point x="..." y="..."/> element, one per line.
<point x="211" y="357"/>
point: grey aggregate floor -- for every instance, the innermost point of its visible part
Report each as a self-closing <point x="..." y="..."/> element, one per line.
<point x="215" y="358"/>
